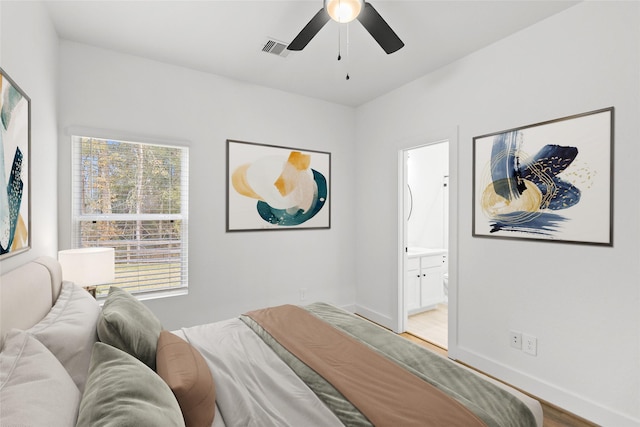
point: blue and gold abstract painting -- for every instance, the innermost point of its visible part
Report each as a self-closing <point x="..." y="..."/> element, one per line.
<point x="14" y="149"/>
<point x="547" y="181"/>
<point x="271" y="187"/>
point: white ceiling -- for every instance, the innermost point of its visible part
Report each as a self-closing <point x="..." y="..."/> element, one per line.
<point x="226" y="38"/>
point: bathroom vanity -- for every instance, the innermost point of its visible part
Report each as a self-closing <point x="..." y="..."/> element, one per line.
<point x="424" y="288"/>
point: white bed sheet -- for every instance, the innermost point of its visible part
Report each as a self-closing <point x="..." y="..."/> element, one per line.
<point x="253" y="386"/>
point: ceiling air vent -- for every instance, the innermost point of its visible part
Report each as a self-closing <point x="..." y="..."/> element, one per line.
<point x="275" y="47"/>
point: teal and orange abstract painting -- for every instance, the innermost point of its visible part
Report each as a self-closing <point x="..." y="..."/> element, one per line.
<point x="14" y="146"/>
<point x="547" y="181"/>
<point x="285" y="188"/>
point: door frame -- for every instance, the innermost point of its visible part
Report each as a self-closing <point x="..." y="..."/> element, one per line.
<point x="451" y="135"/>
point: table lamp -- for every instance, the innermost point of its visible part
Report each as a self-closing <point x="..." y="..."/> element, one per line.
<point x="88" y="267"/>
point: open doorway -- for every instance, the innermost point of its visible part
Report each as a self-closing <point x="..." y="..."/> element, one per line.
<point x="426" y="241"/>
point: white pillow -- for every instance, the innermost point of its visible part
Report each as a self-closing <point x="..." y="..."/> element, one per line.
<point x="35" y="390"/>
<point x="69" y="330"/>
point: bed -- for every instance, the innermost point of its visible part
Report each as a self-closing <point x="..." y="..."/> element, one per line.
<point x="66" y="361"/>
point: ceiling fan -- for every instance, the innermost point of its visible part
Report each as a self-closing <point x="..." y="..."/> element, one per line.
<point x="344" y="11"/>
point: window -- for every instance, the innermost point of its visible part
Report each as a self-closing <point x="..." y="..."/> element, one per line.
<point x="133" y="197"/>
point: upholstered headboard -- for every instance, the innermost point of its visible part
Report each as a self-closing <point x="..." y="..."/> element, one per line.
<point x="28" y="293"/>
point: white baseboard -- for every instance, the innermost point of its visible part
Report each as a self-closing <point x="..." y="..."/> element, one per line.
<point x="351" y="308"/>
<point x="374" y="316"/>
<point x="565" y="399"/>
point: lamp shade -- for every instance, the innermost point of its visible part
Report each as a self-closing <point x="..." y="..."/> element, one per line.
<point x="343" y="11"/>
<point x="88" y="266"/>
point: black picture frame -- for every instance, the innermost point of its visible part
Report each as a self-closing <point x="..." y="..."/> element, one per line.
<point x="271" y="187"/>
<point x="550" y="181"/>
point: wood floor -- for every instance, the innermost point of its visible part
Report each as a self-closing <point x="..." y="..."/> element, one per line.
<point x="431" y="325"/>
<point x="553" y="416"/>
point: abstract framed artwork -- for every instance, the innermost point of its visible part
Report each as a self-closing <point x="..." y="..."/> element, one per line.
<point x="15" y="141"/>
<point x="277" y="188"/>
<point x="549" y="181"/>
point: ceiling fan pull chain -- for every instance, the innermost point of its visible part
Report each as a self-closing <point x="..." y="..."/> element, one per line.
<point x="347" y="78"/>
<point x="339" y="42"/>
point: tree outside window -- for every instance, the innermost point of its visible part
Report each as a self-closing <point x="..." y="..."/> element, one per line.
<point x="133" y="197"/>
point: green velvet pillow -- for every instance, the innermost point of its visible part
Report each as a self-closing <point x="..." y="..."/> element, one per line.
<point x="129" y="325"/>
<point x="121" y="391"/>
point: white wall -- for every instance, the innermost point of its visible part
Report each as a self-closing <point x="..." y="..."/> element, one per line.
<point x="29" y="55"/>
<point x="584" y="305"/>
<point x="229" y="273"/>
<point x="426" y="168"/>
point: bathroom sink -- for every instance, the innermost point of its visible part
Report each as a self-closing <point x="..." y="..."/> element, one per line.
<point x="414" y="250"/>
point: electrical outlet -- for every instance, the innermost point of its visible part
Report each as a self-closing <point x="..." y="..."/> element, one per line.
<point x="530" y="344"/>
<point x="515" y="339"/>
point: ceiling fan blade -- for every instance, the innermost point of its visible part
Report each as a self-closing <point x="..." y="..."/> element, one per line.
<point x="310" y="30"/>
<point x="379" y="29"/>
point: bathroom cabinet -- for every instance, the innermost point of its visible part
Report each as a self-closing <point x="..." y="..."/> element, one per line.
<point x="424" y="283"/>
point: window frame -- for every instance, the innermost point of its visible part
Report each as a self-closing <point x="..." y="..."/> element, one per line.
<point x="77" y="217"/>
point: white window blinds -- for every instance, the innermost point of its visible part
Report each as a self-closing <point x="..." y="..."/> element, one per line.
<point x="133" y="197"/>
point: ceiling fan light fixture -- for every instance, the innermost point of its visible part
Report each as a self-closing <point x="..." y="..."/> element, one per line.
<point x="343" y="11"/>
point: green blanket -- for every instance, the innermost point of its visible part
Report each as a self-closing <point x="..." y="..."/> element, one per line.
<point x="495" y="406"/>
